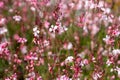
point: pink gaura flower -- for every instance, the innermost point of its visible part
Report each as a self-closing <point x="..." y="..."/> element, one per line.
<point x="22" y="40"/>
<point x="31" y="56"/>
<point x="63" y="77"/>
<point x="17" y="18"/>
<point x="108" y="40"/>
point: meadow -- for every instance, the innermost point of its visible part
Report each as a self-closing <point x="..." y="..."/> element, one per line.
<point x="59" y="39"/>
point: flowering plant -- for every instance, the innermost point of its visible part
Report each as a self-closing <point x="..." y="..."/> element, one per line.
<point x="59" y="40"/>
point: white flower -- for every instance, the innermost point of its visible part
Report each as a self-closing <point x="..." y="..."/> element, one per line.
<point x="63" y="77"/>
<point x="92" y="6"/>
<point x="118" y="70"/>
<point x="62" y="29"/>
<point x="107" y="40"/>
<point x="104" y="18"/>
<point x="32" y="74"/>
<point x="10" y="10"/>
<point x="65" y="28"/>
<point x="96" y="76"/>
<point x="33" y="8"/>
<point x="104" y="52"/>
<point x="24" y="49"/>
<point x="95" y="29"/>
<point x="58" y="28"/>
<point x="79" y="5"/>
<point x="116" y="51"/>
<point x="69" y="59"/>
<point x="86" y="4"/>
<point x="72" y="5"/>
<point x="108" y="62"/>
<point x="2" y="21"/>
<point x="106" y="10"/>
<point x="53" y="28"/>
<point x="22" y="40"/>
<point x="3" y="30"/>
<point x="34" y="57"/>
<point x="46" y="43"/>
<point x="17" y="18"/>
<point x="50" y="29"/>
<point x="41" y="14"/>
<point x="101" y="4"/>
<point x="36" y="31"/>
<point x="70" y="46"/>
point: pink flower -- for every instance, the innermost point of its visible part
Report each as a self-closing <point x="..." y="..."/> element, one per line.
<point x="36" y="31"/>
<point x="46" y="24"/>
<point x="108" y="40"/>
<point x="39" y="78"/>
<point x="85" y="61"/>
<point x="17" y="18"/>
<point x="118" y="71"/>
<point x="63" y="77"/>
<point x="22" y="40"/>
<point x="109" y="62"/>
<point x="31" y="56"/>
<point x="97" y="75"/>
<point x="4" y="52"/>
<point x="1" y="4"/>
<point x="69" y="59"/>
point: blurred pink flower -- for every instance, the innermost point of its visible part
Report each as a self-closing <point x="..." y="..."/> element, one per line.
<point x="2" y="21"/>
<point x="1" y="4"/>
<point x="22" y="40"/>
